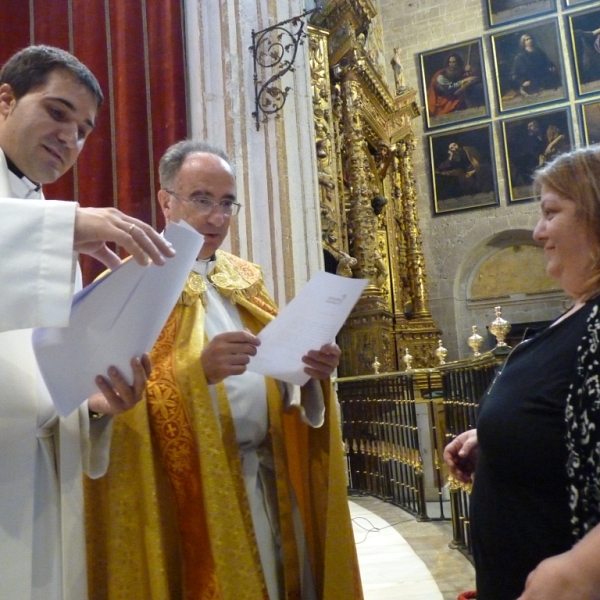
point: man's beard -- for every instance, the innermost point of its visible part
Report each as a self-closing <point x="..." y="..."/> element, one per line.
<point x="452" y="73"/>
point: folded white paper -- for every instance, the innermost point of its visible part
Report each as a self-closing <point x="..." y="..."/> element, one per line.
<point x="113" y="320"/>
<point x="312" y="319"/>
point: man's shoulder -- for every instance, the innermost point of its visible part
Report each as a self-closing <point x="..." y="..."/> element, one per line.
<point x="238" y="262"/>
<point x="250" y="272"/>
<point x="241" y="280"/>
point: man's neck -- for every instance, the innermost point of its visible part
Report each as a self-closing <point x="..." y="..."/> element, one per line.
<point x="14" y="169"/>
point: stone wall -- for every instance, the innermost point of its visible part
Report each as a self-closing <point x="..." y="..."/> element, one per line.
<point x="454" y="243"/>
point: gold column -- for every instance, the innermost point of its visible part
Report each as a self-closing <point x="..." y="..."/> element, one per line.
<point x="415" y="259"/>
<point x="368" y="331"/>
<point x="418" y="332"/>
<point x="360" y="215"/>
<point x="332" y="217"/>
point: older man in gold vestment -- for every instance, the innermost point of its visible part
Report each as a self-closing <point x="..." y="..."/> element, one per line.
<point x="226" y="484"/>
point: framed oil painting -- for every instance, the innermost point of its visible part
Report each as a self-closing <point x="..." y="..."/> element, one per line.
<point x="584" y="28"/>
<point x="502" y="12"/>
<point x="463" y="176"/>
<point x="531" y="141"/>
<point x="453" y="83"/>
<point x="589" y="119"/>
<point x="529" y="66"/>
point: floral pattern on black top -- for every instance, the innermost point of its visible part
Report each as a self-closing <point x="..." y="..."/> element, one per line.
<point x="583" y="432"/>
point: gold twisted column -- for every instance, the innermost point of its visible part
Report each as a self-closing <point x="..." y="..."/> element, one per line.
<point x="332" y="220"/>
<point x="417" y="332"/>
<point x="414" y="254"/>
<point x="362" y="221"/>
<point x="368" y="331"/>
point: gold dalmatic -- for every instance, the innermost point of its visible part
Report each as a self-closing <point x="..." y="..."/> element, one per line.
<point x="171" y="519"/>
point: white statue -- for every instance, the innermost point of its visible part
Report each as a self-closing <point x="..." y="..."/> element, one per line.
<point x="398" y="71"/>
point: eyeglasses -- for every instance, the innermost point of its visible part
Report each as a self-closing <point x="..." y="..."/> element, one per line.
<point x="205" y="206"/>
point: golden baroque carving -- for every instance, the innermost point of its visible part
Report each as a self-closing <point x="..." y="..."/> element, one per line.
<point x="331" y="219"/>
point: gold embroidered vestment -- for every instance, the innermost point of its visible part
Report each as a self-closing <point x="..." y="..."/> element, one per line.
<point x="171" y="519"/>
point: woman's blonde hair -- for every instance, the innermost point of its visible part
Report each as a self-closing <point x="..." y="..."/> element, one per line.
<point x="575" y="176"/>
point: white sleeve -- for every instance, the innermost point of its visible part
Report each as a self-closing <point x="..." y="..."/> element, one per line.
<point x="37" y="262"/>
<point x="308" y="400"/>
<point x="96" y="435"/>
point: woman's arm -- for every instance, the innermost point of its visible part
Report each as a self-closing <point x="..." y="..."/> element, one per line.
<point x="573" y="574"/>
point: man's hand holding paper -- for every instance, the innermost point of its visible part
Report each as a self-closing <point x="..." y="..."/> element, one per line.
<point x="112" y="320"/>
<point x="320" y="364"/>
<point x="116" y="395"/>
<point x="310" y="321"/>
<point x="228" y="354"/>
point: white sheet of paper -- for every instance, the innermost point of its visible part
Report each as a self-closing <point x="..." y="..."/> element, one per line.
<point x="112" y="320"/>
<point x="312" y="319"/>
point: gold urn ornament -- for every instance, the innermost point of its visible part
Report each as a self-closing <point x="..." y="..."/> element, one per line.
<point x="475" y="341"/>
<point x="500" y="328"/>
<point x="441" y="353"/>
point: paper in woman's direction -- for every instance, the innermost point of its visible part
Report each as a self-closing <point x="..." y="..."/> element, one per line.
<point x="312" y="319"/>
<point x="113" y="320"/>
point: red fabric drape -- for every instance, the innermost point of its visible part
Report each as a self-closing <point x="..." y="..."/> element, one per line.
<point x="136" y="50"/>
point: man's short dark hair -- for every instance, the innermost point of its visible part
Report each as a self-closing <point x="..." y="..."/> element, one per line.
<point x="31" y="67"/>
<point x="172" y="160"/>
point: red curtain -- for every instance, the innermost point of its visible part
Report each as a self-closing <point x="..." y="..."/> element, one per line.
<point x="136" y="50"/>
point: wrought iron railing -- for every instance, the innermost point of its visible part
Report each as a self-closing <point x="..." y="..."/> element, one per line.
<point x="383" y="448"/>
<point x="463" y="384"/>
<point x="379" y="427"/>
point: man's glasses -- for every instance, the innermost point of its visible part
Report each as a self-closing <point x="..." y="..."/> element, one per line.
<point x="205" y="206"/>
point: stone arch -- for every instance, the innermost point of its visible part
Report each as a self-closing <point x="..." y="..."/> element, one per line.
<point x="523" y="290"/>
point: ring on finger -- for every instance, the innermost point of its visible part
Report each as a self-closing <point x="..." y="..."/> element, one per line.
<point x="131" y="228"/>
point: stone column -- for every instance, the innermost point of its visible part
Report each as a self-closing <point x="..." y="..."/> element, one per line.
<point x="279" y="225"/>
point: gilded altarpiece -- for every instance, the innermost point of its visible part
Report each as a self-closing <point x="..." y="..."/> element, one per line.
<point x="364" y="144"/>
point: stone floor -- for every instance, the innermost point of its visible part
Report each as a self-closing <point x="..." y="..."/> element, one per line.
<point x="451" y="570"/>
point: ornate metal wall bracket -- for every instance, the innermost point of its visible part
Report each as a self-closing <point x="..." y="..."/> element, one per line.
<point x="275" y="49"/>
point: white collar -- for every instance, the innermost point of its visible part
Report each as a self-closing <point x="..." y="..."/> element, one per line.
<point x="23" y="187"/>
<point x="203" y="266"/>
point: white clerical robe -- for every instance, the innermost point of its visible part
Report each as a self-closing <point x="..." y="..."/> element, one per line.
<point x="42" y="545"/>
<point x="37" y="263"/>
<point x="247" y="396"/>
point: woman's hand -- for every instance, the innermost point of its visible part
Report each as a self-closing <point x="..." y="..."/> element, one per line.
<point x="564" y="576"/>
<point x="117" y="395"/>
<point x="461" y="455"/>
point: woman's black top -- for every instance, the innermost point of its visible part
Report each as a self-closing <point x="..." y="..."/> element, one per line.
<point x="519" y="503"/>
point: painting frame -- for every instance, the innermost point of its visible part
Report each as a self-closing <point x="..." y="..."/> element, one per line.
<point x="462" y="173"/>
<point x="453" y="80"/>
<point x="527" y="147"/>
<point x="573" y="3"/>
<point x="589" y="122"/>
<point x="584" y="37"/>
<point x="529" y="66"/>
<point x="503" y="12"/>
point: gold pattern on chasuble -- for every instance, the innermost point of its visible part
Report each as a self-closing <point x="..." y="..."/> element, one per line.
<point x="226" y="512"/>
<point x="173" y="437"/>
<point x="240" y="280"/>
<point x="194" y="288"/>
<point x="201" y="457"/>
